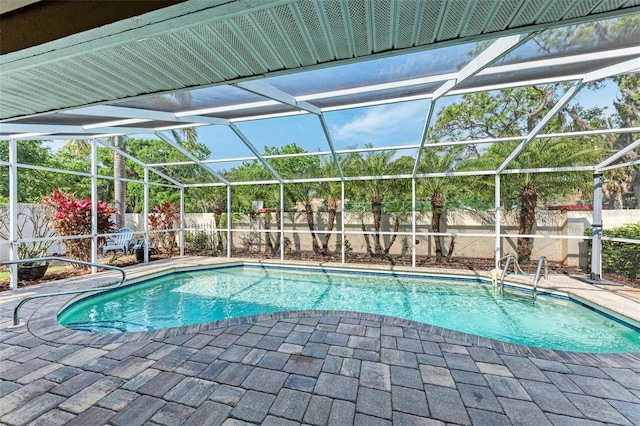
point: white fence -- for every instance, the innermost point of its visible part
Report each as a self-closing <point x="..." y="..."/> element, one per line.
<point x="557" y="232"/>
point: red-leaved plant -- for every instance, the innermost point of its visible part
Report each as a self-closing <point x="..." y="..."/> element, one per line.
<point x="166" y="216"/>
<point x="72" y="216"/>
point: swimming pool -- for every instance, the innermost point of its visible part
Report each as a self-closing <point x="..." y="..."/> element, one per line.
<point x="465" y="305"/>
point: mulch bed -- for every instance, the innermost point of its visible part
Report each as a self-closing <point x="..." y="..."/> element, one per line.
<point x="67" y="271"/>
<point x="471" y="264"/>
<point x="463" y="263"/>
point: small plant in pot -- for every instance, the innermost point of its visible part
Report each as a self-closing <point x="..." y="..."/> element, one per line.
<point x="32" y="222"/>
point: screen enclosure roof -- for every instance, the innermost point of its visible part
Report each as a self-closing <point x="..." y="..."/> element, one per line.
<point x="223" y="63"/>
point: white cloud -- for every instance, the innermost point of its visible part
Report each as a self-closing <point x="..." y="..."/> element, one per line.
<point x="377" y="124"/>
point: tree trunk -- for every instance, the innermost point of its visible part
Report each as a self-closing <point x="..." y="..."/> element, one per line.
<point x="120" y="186"/>
<point x="217" y="215"/>
<point x="528" y="203"/>
<point x="396" y="227"/>
<point x="267" y="232"/>
<point x="366" y="236"/>
<point x="312" y="227"/>
<point x="276" y="247"/>
<point x="376" y="208"/>
<point x="451" y="247"/>
<point x="331" y="221"/>
<point x="437" y="207"/>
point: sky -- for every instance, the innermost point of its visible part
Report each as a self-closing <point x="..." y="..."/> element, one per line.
<point x="381" y="126"/>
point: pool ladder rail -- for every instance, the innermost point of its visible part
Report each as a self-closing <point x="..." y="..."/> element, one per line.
<point x="516" y="269"/>
<point x="16" y="311"/>
<point x="541" y="261"/>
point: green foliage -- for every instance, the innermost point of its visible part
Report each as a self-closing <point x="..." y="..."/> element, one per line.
<point x="151" y="151"/>
<point x="539" y="154"/>
<point x="244" y="195"/>
<point x="348" y="249"/>
<point x="165" y="218"/>
<point x="196" y="241"/>
<point x="622" y="258"/>
<point x="32" y="184"/>
<point x="72" y="216"/>
<point x="377" y="163"/>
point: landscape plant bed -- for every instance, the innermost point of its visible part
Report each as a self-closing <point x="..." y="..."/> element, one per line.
<point x="61" y="270"/>
<point x="463" y="263"/>
<point x="58" y="272"/>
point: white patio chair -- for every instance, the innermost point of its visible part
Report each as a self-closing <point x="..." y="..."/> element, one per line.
<point x="140" y="245"/>
<point x="120" y="241"/>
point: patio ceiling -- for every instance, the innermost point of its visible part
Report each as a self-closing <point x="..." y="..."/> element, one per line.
<point x="217" y="63"/>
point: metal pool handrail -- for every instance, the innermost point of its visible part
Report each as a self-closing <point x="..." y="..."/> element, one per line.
<point x="516" y="268"/>
<point x="16" y="311"/>
<point x="543" y="259"/>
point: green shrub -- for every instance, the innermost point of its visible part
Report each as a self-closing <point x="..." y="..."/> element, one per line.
<point x="618" y="257"/>
<point x="196" y="241"/>
<point x="622" y="258"/>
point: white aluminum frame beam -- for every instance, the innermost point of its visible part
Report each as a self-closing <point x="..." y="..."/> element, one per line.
<point x="327" y="135"/>
<point x="13" y="212"/>
<point x="630" y="66"/>
<point x="94" y="205"/>
<point x="263" y="89"/>
<point x="69" y="129"/>
<point x="404" y="176"/>
<point x="620" y="166"/>
<point x="135" y="160"/>
<point x="501" y="47"/>
<point x="618" y="154"/>
<point x="570" y="59"/>
<point x="253" y="149"/>
<point x="147" y="114"/>
<point x="193" y="158"/>
<point x="573" y="90"/>
<point x="423" y="137"/>
<point x="413" y="146"/>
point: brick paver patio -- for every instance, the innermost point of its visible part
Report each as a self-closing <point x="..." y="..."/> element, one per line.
<point x="306" y="367"/>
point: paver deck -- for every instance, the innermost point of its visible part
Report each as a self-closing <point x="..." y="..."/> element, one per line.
<point x="306" y="367"/>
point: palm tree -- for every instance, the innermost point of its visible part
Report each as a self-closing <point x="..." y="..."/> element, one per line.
<point x="81" y="147"/>
<point x="514" y="112"/>
<point x="331" y="192"/>
<point x="527" y="189"/>
<point x="433" y="160"/>
<point x="377" y="191"/>
<point x="244" y="195"/>
<point x="304" y="192"/>
<point x="119" y="186"/>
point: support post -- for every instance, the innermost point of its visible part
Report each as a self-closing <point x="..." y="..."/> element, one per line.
<point x="498" y="247"/>
<point x="13" y="212"/>
<point x="413" y="222"/>
<point x="281" y="221"/>
<point x="596" y="242"/>
<point x="229" y="245"/>
<point x="182" y="221"/>
<point x="342" y="221"/>
<point x="145" y="218"/>
<point x="94" y="205"/>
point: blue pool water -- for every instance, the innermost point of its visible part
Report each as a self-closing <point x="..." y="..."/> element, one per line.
<point x="464" y="305"/>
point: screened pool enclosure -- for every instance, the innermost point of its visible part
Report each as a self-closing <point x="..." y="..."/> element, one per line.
<point x="357" y="109"/>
